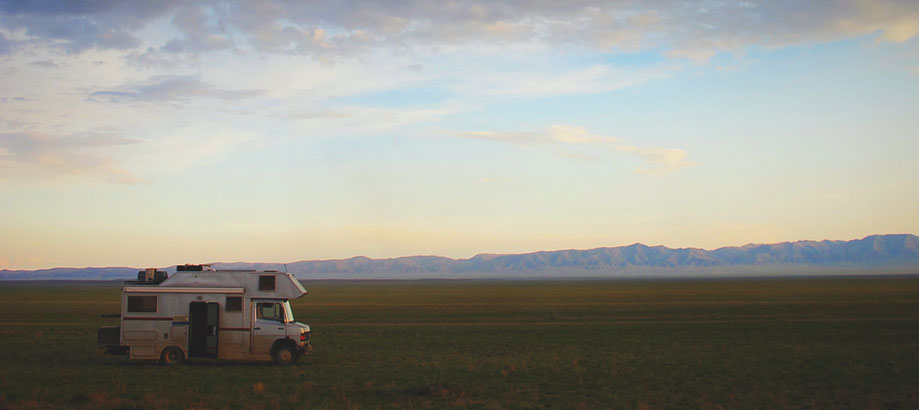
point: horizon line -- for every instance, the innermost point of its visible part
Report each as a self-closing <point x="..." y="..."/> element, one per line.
<point x="474" y="256"/>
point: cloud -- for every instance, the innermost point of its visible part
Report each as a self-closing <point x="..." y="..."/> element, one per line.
<point x="685" y="29"/>
<point x="556" y="134"/>
<point x="200" y="32"/>
<point x="659" y="161"/>
<point x="44" y="63"/>
<point x="76" y="26"/>
<point x="367" y="120"/>
<point x="6" y="45"/>
<point x="171" y="88"/>
<point x="589" y="80"/>
<point x="689" y="29"/>
<point x="74" y="155"/>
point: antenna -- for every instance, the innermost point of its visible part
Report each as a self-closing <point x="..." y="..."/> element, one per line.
<point x="285" y="267"/>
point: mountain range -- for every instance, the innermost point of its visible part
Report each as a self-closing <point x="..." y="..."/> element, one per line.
<point x="873" y="254"/>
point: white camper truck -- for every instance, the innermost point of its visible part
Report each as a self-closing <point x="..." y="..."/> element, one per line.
<point x="203" y="313"/>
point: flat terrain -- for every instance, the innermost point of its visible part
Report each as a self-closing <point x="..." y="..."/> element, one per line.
<point x="823" y="343"/>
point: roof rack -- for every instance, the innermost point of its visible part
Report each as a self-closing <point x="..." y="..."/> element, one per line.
<point x="188" y="267"/>
<point x="138" y="283"/>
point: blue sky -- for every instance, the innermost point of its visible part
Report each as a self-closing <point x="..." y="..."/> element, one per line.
<point x="149" y="134"/>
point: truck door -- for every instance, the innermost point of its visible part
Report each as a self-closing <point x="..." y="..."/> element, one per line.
<point x="268" y="325"/>
<point x="203" y="323"/>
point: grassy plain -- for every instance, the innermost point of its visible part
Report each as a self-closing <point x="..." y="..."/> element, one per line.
<point x="819" y="343"/>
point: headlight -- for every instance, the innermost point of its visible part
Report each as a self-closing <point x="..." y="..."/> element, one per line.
<point x="305" y="337"/>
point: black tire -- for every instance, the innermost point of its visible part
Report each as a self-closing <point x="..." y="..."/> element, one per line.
<point x="284" y="355"/>
<point x="172" y="356"/>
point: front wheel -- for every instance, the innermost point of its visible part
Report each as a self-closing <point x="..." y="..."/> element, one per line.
<point x="284" y="355"/>
<point x="172" y="356"/>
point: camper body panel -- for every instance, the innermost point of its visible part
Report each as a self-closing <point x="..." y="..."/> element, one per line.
<point x="192" y="319"/>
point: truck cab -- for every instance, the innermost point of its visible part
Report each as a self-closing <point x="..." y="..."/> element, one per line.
<point x="274" y="324"/>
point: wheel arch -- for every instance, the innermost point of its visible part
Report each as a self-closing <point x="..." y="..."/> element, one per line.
<point x="182" y="355"/>
<point x="282" y="342"/>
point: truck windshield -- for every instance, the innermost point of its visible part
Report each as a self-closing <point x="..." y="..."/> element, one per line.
<point x="289" y="313"/>
<point x="279" y="311"/>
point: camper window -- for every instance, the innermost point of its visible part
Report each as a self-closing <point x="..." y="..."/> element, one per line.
<point x="141" y="303"/>
<point x="270" y="311"/>
<point x="266" y="282"/>
<point x="234" y="304"/>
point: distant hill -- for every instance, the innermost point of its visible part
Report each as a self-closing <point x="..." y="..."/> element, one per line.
<point x="70" y="274"/>
<point x="873" y="254"/>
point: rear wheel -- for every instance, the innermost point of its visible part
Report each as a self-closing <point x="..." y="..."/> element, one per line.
<point x="284" y="355"/>
<point x="172" y="356"/>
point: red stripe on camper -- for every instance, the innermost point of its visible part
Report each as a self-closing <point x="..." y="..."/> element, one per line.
<point x="148" y="318"/>
<point x="231" y="329"/>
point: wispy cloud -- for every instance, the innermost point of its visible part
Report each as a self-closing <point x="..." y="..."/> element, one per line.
<point x="589" y="80"/>
<point x="6" y="45"/>
<point x="44" y="63"/>
<point x="368" y="120"/>
<point x="73" y="155"/>
<point x="171" y="88"/>
<point x="658" y="160"/>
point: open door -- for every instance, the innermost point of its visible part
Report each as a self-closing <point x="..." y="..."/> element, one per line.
<point x="203" y="324"/>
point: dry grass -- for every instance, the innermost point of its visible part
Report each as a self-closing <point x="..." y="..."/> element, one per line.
<point x="627" y="344"/>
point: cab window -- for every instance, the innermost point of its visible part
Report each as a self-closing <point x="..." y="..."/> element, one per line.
<point x="270" y="311"/>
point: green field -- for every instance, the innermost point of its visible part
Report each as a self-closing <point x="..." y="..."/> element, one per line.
<point x="819" y="343"/>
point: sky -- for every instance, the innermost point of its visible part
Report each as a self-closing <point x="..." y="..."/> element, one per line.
<point x="138" y="133"/>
